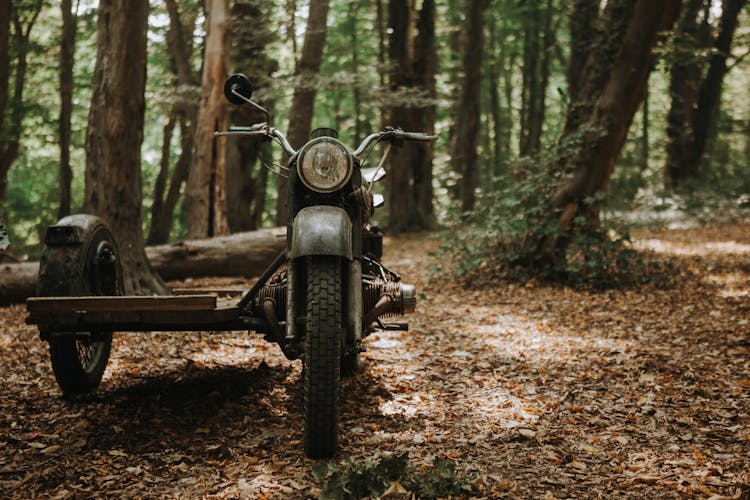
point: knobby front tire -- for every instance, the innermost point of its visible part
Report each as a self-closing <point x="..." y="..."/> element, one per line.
<point x="322" y="355"/>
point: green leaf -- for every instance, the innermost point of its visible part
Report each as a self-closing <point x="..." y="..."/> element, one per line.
<point x="4" y="239"/>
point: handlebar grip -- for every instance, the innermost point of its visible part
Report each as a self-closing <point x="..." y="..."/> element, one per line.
<point x="415" y="136"/>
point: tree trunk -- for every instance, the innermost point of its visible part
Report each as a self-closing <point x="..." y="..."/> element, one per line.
<point x="247" y="176"/>
<point x="161" y="221"/>
<point x="356" y="93"/>
<point x="5" y="13"/>
<point x="160" y="186"/>
<point x="6" y="8"/>
<point x="400" y="80"/>
<point x="582" y="36"/>
<point x="530" y="83"/>
<point x="602" y="51"/>
<point x="496" y="61"/>
<point x="610" y="117"/>
<point x="179" y="42"/>
<point x="425" y="70"/>
<point x="240" y="254"/>
<point x="303" y="101"/>
<point x="114" y="135"/>
<point x="465" y="154"/>
<point x="10" y="137"/>
<point x="644" y="130"/>
<point x="685" y="77"/>
<point x="205" y="194"/>
<point x="540" y="71"/>
<point x="67" y="50"/>
<point x="413" y="60"/>
<point x="508" y="59"/>
<point x="180" y="45"/>
<point x="709" y="94"/>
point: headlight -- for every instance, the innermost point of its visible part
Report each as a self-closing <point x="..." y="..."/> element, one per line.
<point x="324" y="165"/>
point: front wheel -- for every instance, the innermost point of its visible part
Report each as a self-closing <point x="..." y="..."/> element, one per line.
<point x="322" y="355"/>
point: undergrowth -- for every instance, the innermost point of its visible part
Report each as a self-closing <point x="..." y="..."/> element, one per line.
<point x="392" y="474"/>
<point x="503" y="239"/>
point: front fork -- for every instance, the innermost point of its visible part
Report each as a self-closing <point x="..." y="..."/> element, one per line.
<point x="353" y="312"/>
<point x="352" y="301"/>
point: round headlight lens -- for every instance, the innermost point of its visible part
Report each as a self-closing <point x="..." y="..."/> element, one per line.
<point x="324" y="165"/>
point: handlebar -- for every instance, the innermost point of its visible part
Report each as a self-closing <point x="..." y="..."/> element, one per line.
<point x="261" y="129"/>
<point x="390" y="135"/>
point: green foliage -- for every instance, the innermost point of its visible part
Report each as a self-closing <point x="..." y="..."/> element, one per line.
<point x="371" y="478"/>
<point x="4" y="240"/>
<point x="514" y="234"/>
<point x="513" y="190"/>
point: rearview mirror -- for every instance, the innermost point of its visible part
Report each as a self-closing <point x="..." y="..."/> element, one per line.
<point x="238" y="84"/>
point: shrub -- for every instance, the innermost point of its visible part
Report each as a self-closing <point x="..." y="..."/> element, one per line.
<point x="505" y="236"/>
<point x="371" y="478"/>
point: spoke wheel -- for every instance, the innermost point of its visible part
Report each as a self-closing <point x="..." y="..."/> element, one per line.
<point x="89" y="268"/>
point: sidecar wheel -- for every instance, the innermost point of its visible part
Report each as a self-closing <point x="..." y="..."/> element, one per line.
<point x="89" y="266"/>
<point x="322" y="355"/>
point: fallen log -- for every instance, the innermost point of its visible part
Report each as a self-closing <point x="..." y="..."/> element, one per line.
<point x="240" y="254"/>
<point x="17" y="281"/>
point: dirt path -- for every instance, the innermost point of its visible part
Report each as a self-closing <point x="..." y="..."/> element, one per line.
<point x="539" y="390"/>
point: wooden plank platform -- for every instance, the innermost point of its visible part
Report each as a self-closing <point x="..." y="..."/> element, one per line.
<point x="37" y="305"/>
<point x="140" y="314"/>
<point x="224" y="318"/>
<point x="217" y="292"/>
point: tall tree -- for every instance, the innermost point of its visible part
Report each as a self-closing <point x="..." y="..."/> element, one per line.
<point x="205" y="194"/>
<point x="413" y="63"/>
<point x="425" y="71"/>
<point x="588" y="78"/>
<point x="67" y="49"/>
<point x="400" y="78"/>
<point x="538" y="41"/>
<point x="247" y="177"/>
<point x="356" y="93"/>
<point x="5" y="13"/>
<point x="465" y="154"/>
<point x="706" y="108"/>
<point x="167" y="189"/>
<point x="604" y="128"/>
<point x="685" y="77"/>
<point x="21" y="17"/>
<point x="305" y="82"/>
<point x="114" y="135"/>
<point x="581" y="22"/>
<point x="496" y="60"/>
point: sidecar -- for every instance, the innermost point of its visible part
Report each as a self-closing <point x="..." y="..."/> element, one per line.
<point x="80" y="303"/>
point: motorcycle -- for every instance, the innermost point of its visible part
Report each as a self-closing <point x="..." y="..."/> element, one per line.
<point x="323" y="294"/>
<point x="334" y="291"/>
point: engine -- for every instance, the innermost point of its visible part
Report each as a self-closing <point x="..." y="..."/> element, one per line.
<point x="383" y="295"/>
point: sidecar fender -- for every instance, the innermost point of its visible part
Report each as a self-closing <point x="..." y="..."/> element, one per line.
<point x="321" y="230"/>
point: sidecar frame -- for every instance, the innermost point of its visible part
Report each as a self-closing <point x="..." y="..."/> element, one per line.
<point x="185" y="310"/>
<point x="122" y="313"/>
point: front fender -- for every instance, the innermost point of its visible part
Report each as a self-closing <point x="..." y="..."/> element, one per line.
<point x="321" y="230"/>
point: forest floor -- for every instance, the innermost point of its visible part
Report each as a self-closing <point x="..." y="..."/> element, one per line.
<point x="534" y="391"/>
